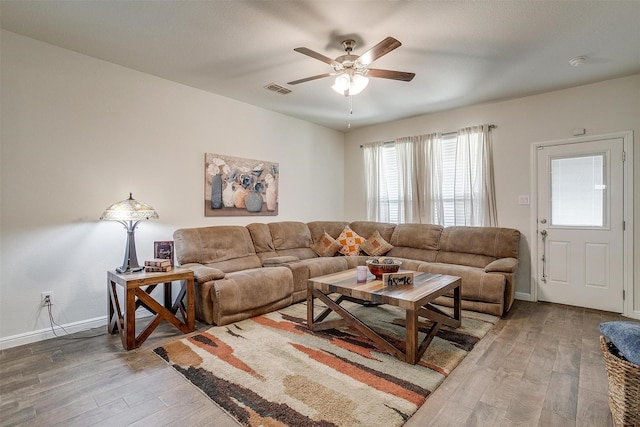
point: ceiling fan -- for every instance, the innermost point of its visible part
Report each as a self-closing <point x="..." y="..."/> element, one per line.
<point x="352" y="71"/>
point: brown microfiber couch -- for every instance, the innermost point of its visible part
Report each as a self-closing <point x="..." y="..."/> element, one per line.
<point x="242" y="272"/>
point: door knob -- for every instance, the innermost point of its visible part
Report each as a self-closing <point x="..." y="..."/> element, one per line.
<point x="543" y="221"/>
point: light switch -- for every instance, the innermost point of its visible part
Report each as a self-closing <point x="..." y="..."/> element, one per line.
<point x="523" y="200"/>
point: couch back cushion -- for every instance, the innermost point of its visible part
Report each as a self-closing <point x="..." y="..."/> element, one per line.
<point x="292" y="238"/>
<point x="477" y="246"/>
<point x="419" y="236"/>
<point x="261" y="236"/>
<point x="333" y="228"/>
<point x="366" y="229"/>
<point x="415" y="241"/>
<point x="229" y="248"/>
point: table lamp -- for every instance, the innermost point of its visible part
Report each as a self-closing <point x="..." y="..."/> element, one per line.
<point x="129" y="213"/>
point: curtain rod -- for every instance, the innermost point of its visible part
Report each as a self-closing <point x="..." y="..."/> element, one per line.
<point x="444" y="133"/>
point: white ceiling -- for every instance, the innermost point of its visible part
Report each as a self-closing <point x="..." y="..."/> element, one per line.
<point x="462" y="52"/>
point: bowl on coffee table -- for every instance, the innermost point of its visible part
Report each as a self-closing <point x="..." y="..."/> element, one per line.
<point x="382" y="265"/>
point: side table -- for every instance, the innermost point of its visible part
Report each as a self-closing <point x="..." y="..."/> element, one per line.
<point x="123" y="319"/>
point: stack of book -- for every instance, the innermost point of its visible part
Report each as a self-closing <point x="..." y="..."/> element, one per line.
<point x="157" y="265"/>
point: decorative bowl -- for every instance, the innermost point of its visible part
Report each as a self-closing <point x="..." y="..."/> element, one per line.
<point x="381" y="265"/>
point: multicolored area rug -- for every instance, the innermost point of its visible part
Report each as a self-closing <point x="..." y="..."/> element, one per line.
<point x="272" y="371"/>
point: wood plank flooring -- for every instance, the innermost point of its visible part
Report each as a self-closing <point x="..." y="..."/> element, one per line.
<point x="540" y="366"/>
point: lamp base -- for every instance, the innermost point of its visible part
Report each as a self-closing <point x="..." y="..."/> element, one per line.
<point x="130" y="262"/>
<point x="129" y="269"/>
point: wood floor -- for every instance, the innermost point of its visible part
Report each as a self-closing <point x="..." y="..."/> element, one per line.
<point x="540" y="366"/>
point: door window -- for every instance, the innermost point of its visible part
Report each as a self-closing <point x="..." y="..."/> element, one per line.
<point x="578" y="191"/>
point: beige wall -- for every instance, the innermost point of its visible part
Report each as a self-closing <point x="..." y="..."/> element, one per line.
<point x="79" y="134"/>
<point x="600" y="108"/>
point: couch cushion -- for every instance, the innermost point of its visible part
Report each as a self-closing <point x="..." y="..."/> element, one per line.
<point x="477" y="285"/>
<point x="350" y="241"/>
<point x="493" y="242"/>
<point x="418" y="236"/>
<point x="261" y="236"/>
<point x="228" y="248"/>
<point x="291" y="238"/>
<point x="248" y="293"/>
<point x="325" y="265"/>
<point x="279" y="260"/>
<point x="326" y="245"/>
<point x="375" y="245"/>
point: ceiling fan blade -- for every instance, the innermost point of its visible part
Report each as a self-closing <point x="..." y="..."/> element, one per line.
<point x="316" y="55"/>
<point x="382" y="48"/>
<point x="390" y="74"/>
<point x="308" y="79"/>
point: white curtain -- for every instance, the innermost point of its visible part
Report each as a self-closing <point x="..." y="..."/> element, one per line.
<point x="437" y="182"/>
<point x="407" y="185"/>
<point x="417" y="182"/>
<point x="376" y="184"/>
<point x="473" y="182"/>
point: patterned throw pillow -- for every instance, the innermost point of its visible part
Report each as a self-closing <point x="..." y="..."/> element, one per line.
<point x="326" y="245"/>
<point x="350" y="242"/>
<point x="376" y="245"/>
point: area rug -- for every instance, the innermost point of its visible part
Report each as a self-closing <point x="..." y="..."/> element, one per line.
<point x="271" y="370"/>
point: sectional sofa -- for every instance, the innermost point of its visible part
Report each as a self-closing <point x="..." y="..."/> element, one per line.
<point x="244" y="271"/>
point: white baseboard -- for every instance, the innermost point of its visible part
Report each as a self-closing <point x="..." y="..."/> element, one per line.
<point x="46" y="333"/>
<point x="523" y="296"/>
<point x="635" y="314"/>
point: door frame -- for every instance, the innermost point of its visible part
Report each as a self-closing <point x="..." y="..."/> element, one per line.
<point x="627" y="234"/>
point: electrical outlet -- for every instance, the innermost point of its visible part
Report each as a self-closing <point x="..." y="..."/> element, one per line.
<point x="46" y="298"/>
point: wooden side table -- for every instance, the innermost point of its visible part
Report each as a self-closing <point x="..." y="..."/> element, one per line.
<point x="123" y="319"/>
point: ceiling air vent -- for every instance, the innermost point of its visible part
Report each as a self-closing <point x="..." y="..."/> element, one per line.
<point x="277" y="88"/>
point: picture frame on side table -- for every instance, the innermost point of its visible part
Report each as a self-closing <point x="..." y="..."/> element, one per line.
<point x="163" y="250"/>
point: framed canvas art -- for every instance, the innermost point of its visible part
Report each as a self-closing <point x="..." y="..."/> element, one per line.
<point x="236" y="186"/>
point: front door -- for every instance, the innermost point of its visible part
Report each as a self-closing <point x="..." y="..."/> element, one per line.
<point x="580" y="223"/>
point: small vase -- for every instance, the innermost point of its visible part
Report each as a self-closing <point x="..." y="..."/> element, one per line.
<point x="272" y="196"/>
<point x="216" y="191"/>
<point x="239" y="197"/>
<point x="253" y="201"/>
<point x="227" y="195"/>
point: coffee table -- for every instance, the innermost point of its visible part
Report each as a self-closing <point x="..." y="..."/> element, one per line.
<point x="415" y="299"/>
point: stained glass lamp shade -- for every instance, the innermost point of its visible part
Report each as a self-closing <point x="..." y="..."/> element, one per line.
<point x="129" y="213"/>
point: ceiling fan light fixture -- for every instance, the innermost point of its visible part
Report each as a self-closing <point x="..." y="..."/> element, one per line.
<point x="346" y="84"/>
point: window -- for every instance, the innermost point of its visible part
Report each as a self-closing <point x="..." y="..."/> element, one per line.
<point x="390" y="174"/>
<point x="577" y="191"/>
<point x="448" y="179"/>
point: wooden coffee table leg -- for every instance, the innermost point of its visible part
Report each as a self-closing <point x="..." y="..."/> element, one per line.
<point x="310" y="309"/>
<point x="457" y="305"/>
<point x="412" y="337"/>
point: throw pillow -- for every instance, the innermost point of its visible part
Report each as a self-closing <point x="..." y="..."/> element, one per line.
<point x="376" y="245"/>
<point x="625" y="335"/>
<point x="326" y="245"/>
<point x="350" y="242"/>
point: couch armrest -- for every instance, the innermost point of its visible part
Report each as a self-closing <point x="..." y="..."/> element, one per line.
<point x="279" y="260"/>
<point x="204" y="274"/>
<point x="502" y="265"/>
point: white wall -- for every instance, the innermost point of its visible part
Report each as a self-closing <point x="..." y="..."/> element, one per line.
<point x="78" y="134"/>
<point x="600" y="108"/>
